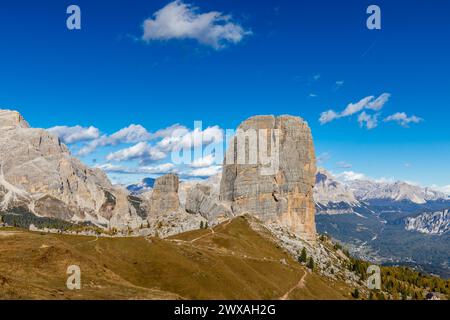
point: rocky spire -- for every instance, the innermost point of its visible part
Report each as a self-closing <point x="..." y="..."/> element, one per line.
<point x="284" y="196"/>
<point x="164" y="197"/>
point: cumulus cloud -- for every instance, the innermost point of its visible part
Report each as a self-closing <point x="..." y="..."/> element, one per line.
<point x="370" y="121"/>
<point x="205" y="161"/>
<point x="142" y="151"/>
<point x="328" y="116"/>
<point x="173" y="138"/>
<point x="132" y="134"/>
<point x="353" y="108"/>
<point x="138" y="151"/>
<point x="173" y="129"/>
<point x="156" y="169"/>
<point x="205" y="172"/>
<point x="351" y="175"/>
<point x="367" y="103"/>
<point x="179" y="20"/>
<point x="163" y="168"/>
<point x="444" y="189"/>
<point x="379" y="102"/>
<point x="184" y="139"/>
<point x="75" y="134"/>
<point x="402" y="119"/>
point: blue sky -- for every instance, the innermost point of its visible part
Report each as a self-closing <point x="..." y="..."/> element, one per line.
<point x="274" y="57"/>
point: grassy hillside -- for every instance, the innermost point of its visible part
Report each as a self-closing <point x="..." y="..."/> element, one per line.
<point x="230" y="261"/>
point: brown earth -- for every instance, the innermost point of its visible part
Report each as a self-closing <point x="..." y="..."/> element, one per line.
<point x="231" y="261"/>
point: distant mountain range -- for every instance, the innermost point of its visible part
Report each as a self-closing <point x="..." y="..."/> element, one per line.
<point x="330" y="192"/>
<point x="386" y="222"/>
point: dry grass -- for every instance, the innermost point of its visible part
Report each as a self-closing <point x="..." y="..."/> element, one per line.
<point x="232" y="261"/>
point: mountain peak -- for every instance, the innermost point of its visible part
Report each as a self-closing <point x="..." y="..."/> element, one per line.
<point x="329" y="191"/>
<point x="11" y="118"/>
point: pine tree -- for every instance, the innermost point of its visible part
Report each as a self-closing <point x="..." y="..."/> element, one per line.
<point x="201" y="224"/>
<point x="355" y="294"/>
<point x="206" y="225"/>
<point x="303" y="256"/>
<point x="311" y="263"/>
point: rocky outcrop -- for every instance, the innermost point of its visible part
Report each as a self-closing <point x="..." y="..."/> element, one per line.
<point x="166" y="217"/>
<point x="201" y="199"/>
<point x="164" y="198"/>
<point x="38" y="174"/>
<point x="286" y="195"/>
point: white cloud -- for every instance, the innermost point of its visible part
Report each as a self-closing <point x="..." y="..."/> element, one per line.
<point x="353" y="108"/>
<point x="179" y="20"/>
<point x="444" y="189"/>
<point x="184" y="139"/>
<point x="402" y="119"/>
<point x="369" y="103"/>
<point x="205" y="161"/>
<point x="75" y="134"/>
<point x="161" y="133"/>
<point x="173" y="138"/>
<point x="157" y="169"/>
<point x="131" y="134"/>
<point x="328" y="116"/>
<point x="387" y="180"/>
<point x="205" y="172"/>
<point x="351" y="175"/>
<point x="370" y="121"/>
<point x="379" y="102"/>
<point x="161" y="169"/>
<point x="142" y="151"/>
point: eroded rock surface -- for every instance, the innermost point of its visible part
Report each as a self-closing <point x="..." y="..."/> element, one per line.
<point x="201" y="199"/>
<point x="164" y="197"/>
<point x="284" y="197"/>
<point x="38" y="174"/>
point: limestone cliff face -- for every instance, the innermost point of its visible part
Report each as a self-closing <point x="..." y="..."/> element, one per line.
<point x="286" y="195"/>
<point x="38" y="173"/>
<point x="164" y="198"/>
<point x="201" y="199"/>
<point x="166" y="217"/>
